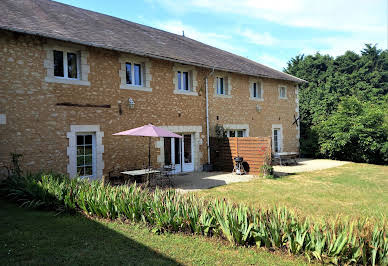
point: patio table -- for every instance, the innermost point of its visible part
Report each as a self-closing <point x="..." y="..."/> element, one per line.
<point x="141" y="172"/>
<point x="286" y="157"/>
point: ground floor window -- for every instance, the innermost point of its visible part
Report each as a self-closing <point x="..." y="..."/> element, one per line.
<point x="236" y="133"/>
<point x="85" y="151"/>
<point x="86" y="166"/>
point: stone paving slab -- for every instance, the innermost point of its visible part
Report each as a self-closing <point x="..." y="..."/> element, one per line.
<point x="204" y="180"/>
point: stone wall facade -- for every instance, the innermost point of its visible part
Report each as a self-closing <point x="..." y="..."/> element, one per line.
<point x="37" y="123"/>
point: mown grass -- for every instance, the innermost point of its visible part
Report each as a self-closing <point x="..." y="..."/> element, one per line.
<point x="39" y="237"/>
<point x="356" y="190"/>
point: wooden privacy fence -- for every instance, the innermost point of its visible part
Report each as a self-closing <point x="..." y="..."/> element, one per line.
<point x="254" y="150"/>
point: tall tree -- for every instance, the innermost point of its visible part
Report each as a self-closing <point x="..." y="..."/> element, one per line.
<point x="330" y="82"/>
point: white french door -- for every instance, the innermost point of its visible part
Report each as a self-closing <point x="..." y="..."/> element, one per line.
<point x="86" y="155"/>
<point x="180" y="152"/>
<point x="277" y="140"/>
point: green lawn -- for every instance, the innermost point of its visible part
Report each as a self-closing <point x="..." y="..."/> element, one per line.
<point x="357" y="190"/>
<point x="40" y="237"/>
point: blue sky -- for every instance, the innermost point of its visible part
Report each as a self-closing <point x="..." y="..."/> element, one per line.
<point x="270" y="32"/>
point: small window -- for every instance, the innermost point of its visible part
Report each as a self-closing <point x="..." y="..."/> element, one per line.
<point x="137" y="74"/>
<point x="256" y="90"/>
<point x="276" y="140"/>
<point x="58" y="64"/>
<point x="282" y="92"/>
<point x="134" y="74"/>
<point x="85" y="154"/>
<point x="72" y="65"/>
<point x="128" y="67"/>
<point x="66" y="61"/>
<point x="220" y="86"/>
<point x="183" y="80"/>
<point x="236" y="133"/>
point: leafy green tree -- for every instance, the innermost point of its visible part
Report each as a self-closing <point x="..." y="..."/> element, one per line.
<point x="330" y="81"/>
<point x="356" y="131"/>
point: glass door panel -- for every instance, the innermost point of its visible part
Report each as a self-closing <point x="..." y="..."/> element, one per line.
<point x="187" y="149"/>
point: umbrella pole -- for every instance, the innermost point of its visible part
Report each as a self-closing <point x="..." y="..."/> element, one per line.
<point x="149" y="153"/>
<point x="149" y="158"/>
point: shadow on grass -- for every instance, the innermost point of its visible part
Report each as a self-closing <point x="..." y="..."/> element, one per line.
<point x="41" y="237"/>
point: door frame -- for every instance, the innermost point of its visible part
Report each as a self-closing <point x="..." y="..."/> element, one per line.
<point x="197" y="141"/>
<point x="182" y="166"/>
<point x="280" y="137"/>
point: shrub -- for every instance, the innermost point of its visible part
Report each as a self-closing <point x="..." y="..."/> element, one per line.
<point x="339" y="243"/>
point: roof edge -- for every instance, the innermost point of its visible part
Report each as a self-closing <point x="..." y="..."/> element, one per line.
<point x="298" y="80"/>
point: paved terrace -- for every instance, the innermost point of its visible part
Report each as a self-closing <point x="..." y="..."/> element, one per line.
<point x="205" y="180"/>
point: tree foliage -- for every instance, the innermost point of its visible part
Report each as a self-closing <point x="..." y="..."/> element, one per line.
<point x="344" y="105"/>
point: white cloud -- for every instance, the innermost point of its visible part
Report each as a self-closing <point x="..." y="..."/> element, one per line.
<point x="214" y="39"/>
<point x="272" y="61"/>
<point x="345" y="15"/>
<point x="258" y="38"/>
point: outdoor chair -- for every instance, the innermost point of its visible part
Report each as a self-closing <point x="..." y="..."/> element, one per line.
<point x="163" y="178"/>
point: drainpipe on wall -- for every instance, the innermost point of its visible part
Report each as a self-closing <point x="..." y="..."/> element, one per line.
<point x="207" y="117"/>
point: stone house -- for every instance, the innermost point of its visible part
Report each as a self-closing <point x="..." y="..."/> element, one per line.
<point x="70" y="78"/>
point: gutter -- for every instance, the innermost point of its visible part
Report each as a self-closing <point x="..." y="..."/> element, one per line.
<point x="207" y="116"/>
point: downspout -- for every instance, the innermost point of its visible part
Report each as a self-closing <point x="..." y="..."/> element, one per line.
<point x="207" y="117"/>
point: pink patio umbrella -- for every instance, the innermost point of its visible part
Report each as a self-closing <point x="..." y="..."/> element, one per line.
<point x="148" y="131"/>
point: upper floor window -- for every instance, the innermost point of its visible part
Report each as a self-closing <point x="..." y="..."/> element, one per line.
<point x="183" y="78"/>
<point x="282" y="92"/>
<point x="134" y="74"/>
<point x="220" y="86"/>
<point x="257" y="90"/>
<point x="66" y="64"/>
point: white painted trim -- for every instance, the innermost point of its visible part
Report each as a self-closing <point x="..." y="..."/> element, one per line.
<point x="227" y="85"/>
<point x="257" y="81"/>
<point x="277" y="126"/>
<point x="191" y="93"/>
<point x="134" y="87"/>
<point x="282" y="98"/>
<point x="193" y="83"/>
<point x="72" y="148"/>
<point x="196" y="130"/>
<point x="67" y="81"/>
<point x="83" y="67"/>
<point x="146" y="76"/>
<point x="237" y="127"/>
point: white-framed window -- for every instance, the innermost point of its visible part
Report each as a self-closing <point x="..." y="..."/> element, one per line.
<point x="239" y="133"/>
<point x="86" y="154"/>
<point x="222" y="85"/>
<point x="282" y="92"/>
<point x="85" y="151"/>
<point x="66" y="63"/>
<point x="134" y="74"/>
<point x="221" y="88"/>
<point x="257" y="90"/>
<point x="184" y="80"/>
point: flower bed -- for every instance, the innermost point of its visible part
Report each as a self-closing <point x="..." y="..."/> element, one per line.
<point x="343" y="242"/>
